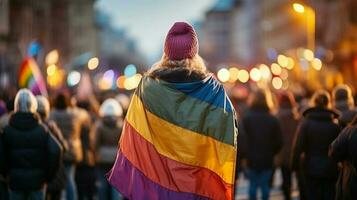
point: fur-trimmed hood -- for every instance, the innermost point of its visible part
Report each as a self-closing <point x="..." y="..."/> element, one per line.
<point x="178" y="74"/>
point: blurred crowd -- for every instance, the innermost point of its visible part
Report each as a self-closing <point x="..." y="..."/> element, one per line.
<point x="62" y="148"/>
<point x="313" y="138"/>
<point x="59" y="148"/>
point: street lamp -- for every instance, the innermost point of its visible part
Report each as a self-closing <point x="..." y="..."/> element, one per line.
<point x="310" y="25"/>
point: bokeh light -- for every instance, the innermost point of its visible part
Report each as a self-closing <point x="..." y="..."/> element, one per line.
<point x="223" y="75"/>
<point x="255" y="74"/>
<point x="316" y="64"/>
<point x="265" y="71"/>
<point x="130" y="70"/>
<point x="51" y="70"/>
<point x="233" y="74"/>
<point x="291" y="64"/>
<point x="277" y="83"/>
<point x="52" y="57"/>
<point x="120" y="82"/>
<point x="299" y="8"/>
<point x="283" y="61"/>
<point x="73" y="78"/>
<point x="275" y="69"/>
<point x="132" y="82"/>
<point x="93" y="63"/>
<point x="109" y="75"/>
<point x="243" y="76"/>
<point x="308" y="54"/>
<point x="284" y="74"/>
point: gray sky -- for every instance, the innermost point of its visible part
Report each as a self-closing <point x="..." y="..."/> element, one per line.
<point x="148" y="21"/>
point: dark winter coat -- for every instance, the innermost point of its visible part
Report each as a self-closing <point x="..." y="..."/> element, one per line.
<point x="69" y="122"/>
<point x="344" y="150"/>
<point x="31" y="153"/>
<point x="260" y="138"/>
<point x="346" y="114"/>
<point x="59" y="182"/>
<point x="288" y="123"/>
<point x="315" y="133"/>
<point x="107" y="131"/>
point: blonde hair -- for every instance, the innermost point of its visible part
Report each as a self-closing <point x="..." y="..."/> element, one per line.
<point x="25" y="101"/>
<point x="43" y="105"/>
<point x="195" y="63"/>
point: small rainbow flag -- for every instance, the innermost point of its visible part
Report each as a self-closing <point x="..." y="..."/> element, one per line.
<point x="30" y="77"/>
<point x="178" y="142"/>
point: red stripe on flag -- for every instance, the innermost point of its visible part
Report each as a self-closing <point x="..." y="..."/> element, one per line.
<point x="170" y="173"/>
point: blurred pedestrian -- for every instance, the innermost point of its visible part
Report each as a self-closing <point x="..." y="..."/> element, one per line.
<point x="124" y="101"/>
<point x="316" y="131"/>
<point x="31" y="154"/>
<point x="343" y="102"/>
<point x="4" y="119"/>
<point x="85" y="173"/>
<point x="69" y="122"/>
<point x="108" y="130"/>
<point x="57" y="185"/>
<point x="288" y="119"/>
<point x="344" y="150"/>
<point x="262" y="140"/>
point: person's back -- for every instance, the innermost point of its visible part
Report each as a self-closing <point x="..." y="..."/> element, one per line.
<point x="320" y="130"/>
<point x="31" y="154"/>
<point x="261" y="140"/>
<point x="263" y="136"/>
<point x="344" y="150"/>
<point x="26" y="145"/>
<point x="70" y="127"/>
<point x="316" y="131"/>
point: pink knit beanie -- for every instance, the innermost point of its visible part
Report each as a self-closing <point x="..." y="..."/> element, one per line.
<point x="181" y="42"/>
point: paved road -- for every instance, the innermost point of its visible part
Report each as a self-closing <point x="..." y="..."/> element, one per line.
<point x="275" y="194"/>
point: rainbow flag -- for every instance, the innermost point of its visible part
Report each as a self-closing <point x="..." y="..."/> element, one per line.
<point x="30" y="77"/>
<point x="178" y="142"/>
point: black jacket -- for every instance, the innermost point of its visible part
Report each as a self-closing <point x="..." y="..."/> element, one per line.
<point x="31" y="155"/>
<point x="344" y="150"/>
<point x="314" y="135"/>
<point x="260" y="138"/>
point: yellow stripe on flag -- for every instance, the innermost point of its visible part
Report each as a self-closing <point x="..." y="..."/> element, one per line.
<point x="181" y="144"/>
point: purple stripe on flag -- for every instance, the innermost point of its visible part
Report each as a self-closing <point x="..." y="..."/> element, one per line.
<point x="133" y="184"/>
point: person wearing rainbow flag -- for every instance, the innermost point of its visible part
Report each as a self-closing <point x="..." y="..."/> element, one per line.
<point x="179" y="135"/>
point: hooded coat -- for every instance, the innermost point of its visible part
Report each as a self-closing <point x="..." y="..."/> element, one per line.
<point x="315" y="133"/>
<point x="31" y="154"/>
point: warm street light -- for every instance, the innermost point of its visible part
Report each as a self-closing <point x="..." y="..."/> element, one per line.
<point x="299" y="8"/>
<point x="310" y="24"/>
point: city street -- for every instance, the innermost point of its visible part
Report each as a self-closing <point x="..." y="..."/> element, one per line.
<point x="275" y="194"/>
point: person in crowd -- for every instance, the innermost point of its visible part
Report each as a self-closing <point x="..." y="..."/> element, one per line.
<point x="85" y="173"/>
<point x="344" y="150"/>
<point x="31" y="155"/>
<point x="108" y="130"/>
<point x="57" y="185"/>
<point x="343" y="102"/>
<point x="4" y="119"/>
<point x="318" y="128"/>
<point x="288" y="119"/>
<point x="69" y="123"/>
<point x="261" y="139"/>
<point x="3" y="186"/>
<point x="124" y="101"/>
